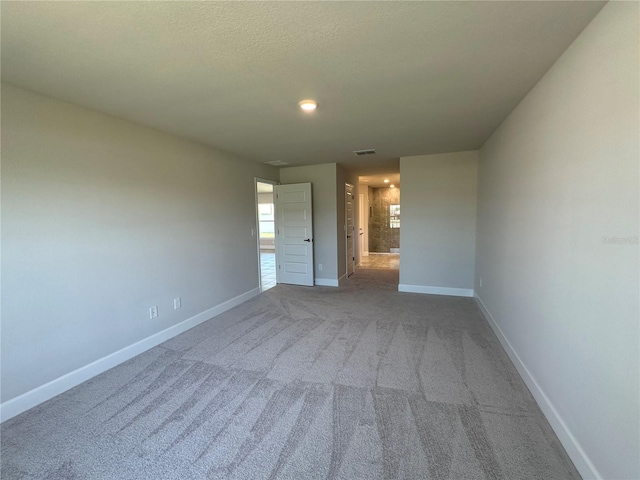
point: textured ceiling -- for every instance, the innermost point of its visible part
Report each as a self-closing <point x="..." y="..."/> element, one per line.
<point x="403" y="78"/>
<point x="378" y="180"/>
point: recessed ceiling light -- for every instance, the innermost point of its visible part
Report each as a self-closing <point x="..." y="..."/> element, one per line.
<point x="386" y="180"/>
<point x="392" y="186"/>
<point x="308" y="105"/>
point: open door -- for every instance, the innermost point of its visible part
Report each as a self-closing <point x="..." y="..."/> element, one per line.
<point x="350" y="229"/>
<point x="294" y="227"/>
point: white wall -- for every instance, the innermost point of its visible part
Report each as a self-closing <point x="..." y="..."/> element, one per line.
<point x="103" y="218"/>
<point x="323" y="179"/>
<point x="438" y="222"/>
<point x="557" y="180"/>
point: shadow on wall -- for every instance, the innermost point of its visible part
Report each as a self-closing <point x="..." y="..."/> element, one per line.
<point x="384" y="220"/>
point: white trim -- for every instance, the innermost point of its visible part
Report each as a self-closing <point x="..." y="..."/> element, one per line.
<point x="575" y="451"/>
<point x="343" y="278"/>
<point x="455" y="292"/>
<point x="326" y="282"/>
<point x="40" y="394"/>
<point x="348" y="260"/>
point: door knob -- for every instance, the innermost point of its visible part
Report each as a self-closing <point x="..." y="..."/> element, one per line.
<point x="307" y="239"/>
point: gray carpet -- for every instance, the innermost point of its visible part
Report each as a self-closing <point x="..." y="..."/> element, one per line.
<point x="360" y="382"/>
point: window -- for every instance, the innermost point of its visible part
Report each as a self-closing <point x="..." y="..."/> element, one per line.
<point x="266" y="219"/>
<point x="394" y="216"/>
<point x="265" y="211"/>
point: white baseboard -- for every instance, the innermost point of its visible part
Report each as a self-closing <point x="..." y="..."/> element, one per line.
<point x="365" y="254"/>
<point x="342" y="279"/>
<point x="455" y="292"/>
<point x="575" y="451"/>
<point x="326" y="282"/>
<point x="40" y="394"/>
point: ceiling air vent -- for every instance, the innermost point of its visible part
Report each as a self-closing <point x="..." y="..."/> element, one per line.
<point x="369" y="151"/>
<point x="276" y="163"/>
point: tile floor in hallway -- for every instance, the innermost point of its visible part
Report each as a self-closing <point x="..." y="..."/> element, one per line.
<point x="380" y="260"/>
<point x="268" y="269"/>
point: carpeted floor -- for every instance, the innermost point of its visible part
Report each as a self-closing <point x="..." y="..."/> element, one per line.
<point x="357" y="382"/>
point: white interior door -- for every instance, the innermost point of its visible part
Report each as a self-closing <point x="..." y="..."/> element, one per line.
<point x="294" y="227"/>
<point x="361" y="219"/>
<point x="350" y="230"/>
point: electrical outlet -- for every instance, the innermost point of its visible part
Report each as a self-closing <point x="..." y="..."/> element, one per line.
<point x="320" y="266"/>
<point x="177" y="303"/>
<point x="153" y="312"/>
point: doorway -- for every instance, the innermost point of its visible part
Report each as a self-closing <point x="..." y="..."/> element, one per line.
<point x="380" y="221"/>
<point x="265" y="211"/>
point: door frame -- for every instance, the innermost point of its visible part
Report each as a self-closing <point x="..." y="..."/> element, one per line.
<point x="362" y="218"/>
<point x="353" y="228"/>
<point x="257" y="180"/>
